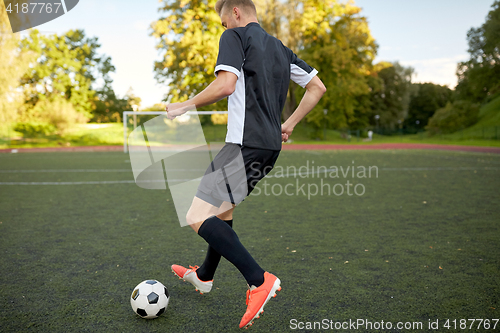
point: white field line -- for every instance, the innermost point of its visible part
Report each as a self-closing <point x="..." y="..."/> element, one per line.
<point x="288" y="175"/>
<point x="441" y="168"/>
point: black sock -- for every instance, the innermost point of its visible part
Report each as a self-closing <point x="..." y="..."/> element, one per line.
<point x="224" y="240"/>
<point x="207" y="269"/>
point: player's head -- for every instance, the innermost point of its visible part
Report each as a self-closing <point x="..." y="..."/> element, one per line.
<point x="236" y="13"/>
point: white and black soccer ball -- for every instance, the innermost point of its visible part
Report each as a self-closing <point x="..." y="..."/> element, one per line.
<point x="149" y="299"/>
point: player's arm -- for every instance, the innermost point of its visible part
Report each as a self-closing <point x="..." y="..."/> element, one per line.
<point x="223" y="86"/>
<point x="314" y="91"/>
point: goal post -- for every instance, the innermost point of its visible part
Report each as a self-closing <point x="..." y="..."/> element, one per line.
<point x="134" y="114"/>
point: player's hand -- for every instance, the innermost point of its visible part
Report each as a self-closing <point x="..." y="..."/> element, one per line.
<point x="175" y="109"/>
<point x="286" y="131"/>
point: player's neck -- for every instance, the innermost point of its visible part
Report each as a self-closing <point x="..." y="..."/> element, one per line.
<point x="246" y="22"/>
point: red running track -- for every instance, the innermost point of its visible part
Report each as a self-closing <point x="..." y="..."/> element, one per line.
<point x="479" y="149"/>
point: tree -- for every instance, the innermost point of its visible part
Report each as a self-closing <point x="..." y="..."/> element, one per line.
<point x="133" y="101"/>
<point x="336" y="40"/>
<point x="60" y="81"/>
<point x="454" y="116"/>
<point x="190" y="30"/>
<point x="427" y="99"/>
<point x="95" y="66"/>
<point x="479" y="77"/>
<point x="109" y="108"/>
<point x="13" y="63"/>
<point x="391" y="98"/>
<point x="189" y="35"/>
<point x="155" y="107"/>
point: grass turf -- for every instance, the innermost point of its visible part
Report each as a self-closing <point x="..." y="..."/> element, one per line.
<point x="420" y="244"/>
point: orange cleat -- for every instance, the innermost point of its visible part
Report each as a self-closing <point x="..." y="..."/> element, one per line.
<point x="258" y="297"/>
<point x="190" y="275"/>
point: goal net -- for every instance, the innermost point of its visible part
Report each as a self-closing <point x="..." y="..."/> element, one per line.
<point x="175" y="154"/>
<point x="213" y="124"/>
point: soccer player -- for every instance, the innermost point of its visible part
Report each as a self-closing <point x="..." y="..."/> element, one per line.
<point x="253" y="70"/>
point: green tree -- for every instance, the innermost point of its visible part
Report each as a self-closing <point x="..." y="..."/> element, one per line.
<point x="336" y="40"/>
<point x="428" y="98"/>
<point x="331" y="36"/>
<point x="364" y="114"/>
<point x="13" y="63"/>
<point x="479" y="77"/>
<point x="454" y="116"/>
<point x="109" y="108"/>
<point x="272" y="15"/>
<point x="189" y="34"/>
<point x="95" y="66"/>
<point x="155" y="107"/>
<point x="391" y="98"/>
<point x="58" y="87"/>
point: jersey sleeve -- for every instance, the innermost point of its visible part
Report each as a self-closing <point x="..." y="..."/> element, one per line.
<point x="231" y="55"/>
<point x="300" y="72"/>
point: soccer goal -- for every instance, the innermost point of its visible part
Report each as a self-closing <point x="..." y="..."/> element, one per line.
<point x="213" y="123"/>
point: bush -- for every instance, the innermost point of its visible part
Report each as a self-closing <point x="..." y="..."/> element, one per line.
<point x="49" y="116"/>
<point x="34" y="129"/>
<point x="453" y="117"/>
<point x="62" y="115"/>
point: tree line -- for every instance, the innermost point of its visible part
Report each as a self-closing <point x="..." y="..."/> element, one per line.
<point x="49" y="82"/>
<point x="478" y="77"/>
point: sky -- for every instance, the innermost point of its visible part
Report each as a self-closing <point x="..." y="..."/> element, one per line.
<point x="428" y="35"/>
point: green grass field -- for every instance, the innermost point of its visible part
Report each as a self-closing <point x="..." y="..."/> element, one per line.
<point x="420" y="244"/>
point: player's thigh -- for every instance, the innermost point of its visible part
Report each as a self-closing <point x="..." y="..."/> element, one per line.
<point x="201" y="210"/>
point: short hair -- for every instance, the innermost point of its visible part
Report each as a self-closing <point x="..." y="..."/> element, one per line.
<point x="247" y="4"/>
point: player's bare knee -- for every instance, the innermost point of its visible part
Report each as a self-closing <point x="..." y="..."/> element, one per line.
<point x="228" y="215"/>
<point x="195" y="226"/>
<point x="225" y="211"/>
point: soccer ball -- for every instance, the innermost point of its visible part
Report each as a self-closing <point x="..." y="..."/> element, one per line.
<point x="149" y="299"/>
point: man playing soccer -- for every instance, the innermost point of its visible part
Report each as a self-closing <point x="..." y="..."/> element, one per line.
<point x="253" y="70"/>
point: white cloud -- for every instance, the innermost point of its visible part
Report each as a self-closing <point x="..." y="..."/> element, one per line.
<point x="389" y="48"/>
<point x="439" y="70"/>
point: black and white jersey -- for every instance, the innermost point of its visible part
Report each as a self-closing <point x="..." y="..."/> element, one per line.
<point x="264" y="67"/>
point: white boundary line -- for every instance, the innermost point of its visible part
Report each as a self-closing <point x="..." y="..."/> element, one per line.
<point x="321" y="171"/>
<point x="440" y="168"/>
<point x="270" y="176"/>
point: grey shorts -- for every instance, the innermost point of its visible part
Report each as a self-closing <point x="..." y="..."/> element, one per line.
<point x="234" y="173"/>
